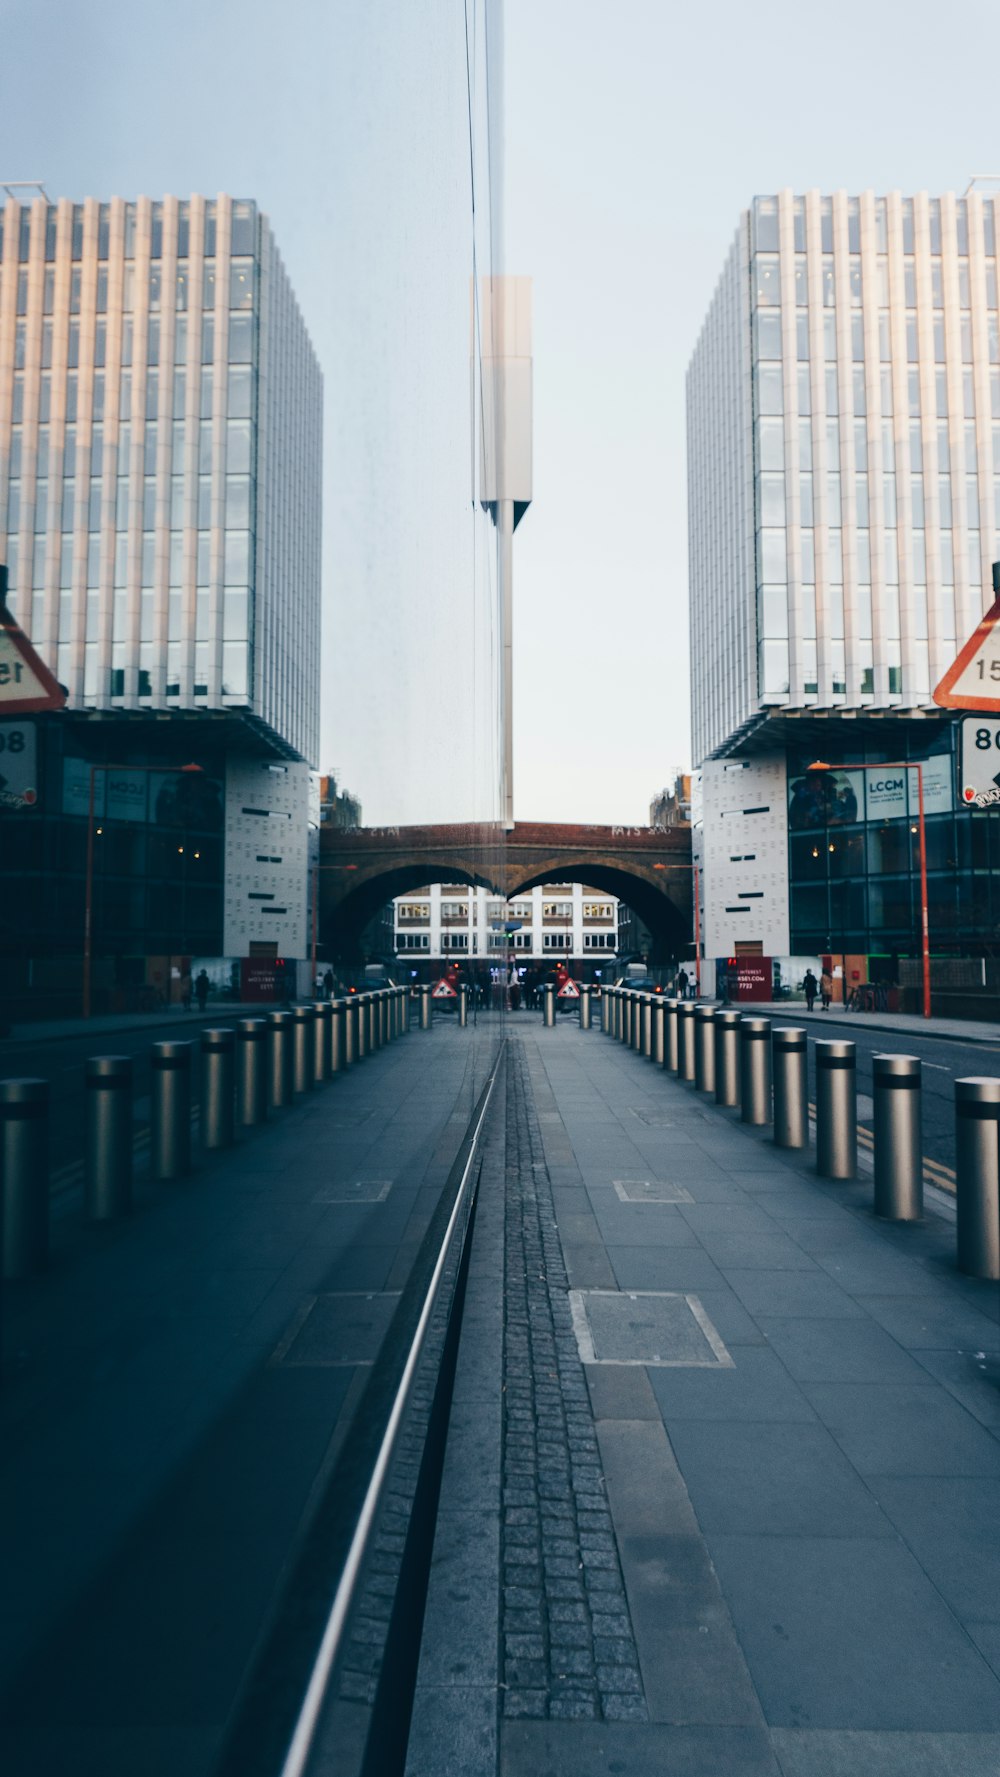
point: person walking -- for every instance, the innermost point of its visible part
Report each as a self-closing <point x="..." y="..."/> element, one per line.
<point x="201" y="987"/>
<point x="810" y="987"/>
<point x="682" y="984"/>
<point x="826" y="989"/>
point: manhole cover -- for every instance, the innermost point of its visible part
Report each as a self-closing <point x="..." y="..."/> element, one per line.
<point x="657" y="1328"/>
<point x="359" y="1190"/>
<point x="343" y="1328"/>
<point x="645" y="1190"/>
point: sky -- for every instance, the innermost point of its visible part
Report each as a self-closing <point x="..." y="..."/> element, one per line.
<point x="634" y="137"/>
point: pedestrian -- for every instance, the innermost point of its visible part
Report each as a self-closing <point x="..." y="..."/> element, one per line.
<point x="328" y="985"/>
<point x="810" y="987"/>
<point x="826" y="989"/>
<point x="682" y="984"/>
<point x="201" y="987"/>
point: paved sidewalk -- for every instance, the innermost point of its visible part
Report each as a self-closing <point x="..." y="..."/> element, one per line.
<point x="764" y="1543"/>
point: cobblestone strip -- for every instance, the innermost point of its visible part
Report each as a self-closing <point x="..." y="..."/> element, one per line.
<point x="568" y="1647"/>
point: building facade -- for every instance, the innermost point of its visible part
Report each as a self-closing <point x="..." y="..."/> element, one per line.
<point x="160" y="519"/>
<point x="844" y="502"/>
<point x="564" y="922"/>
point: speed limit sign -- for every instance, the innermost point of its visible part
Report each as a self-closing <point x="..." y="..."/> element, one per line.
<point x="980" y="761"/>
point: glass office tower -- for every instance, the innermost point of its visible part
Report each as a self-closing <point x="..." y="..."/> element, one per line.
<point x="844" y="450"/>
<point x="161" y="459"/>
<point x="844" y="503"/>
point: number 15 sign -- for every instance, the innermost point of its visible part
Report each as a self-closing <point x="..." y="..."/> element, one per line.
<point x="973" y="681"/>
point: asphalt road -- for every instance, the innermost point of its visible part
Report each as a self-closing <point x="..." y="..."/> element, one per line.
<point x="61" y="1061"/>
<point x="944" y="1061"/>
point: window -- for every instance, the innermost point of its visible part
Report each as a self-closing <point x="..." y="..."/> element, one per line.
<point x="241" y="284"/>
<point x="557" y="909"/>
<point x="413" y="911"/>
<point x="454" y="941"/>
<point x="241" y="339"/>
<point x="599" y="940"/>
<point x="413" y="941"/>
<point x="598" y="910"/>
<point x="557" y="940"/>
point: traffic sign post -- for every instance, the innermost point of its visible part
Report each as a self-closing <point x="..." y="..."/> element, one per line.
<point x="972" y="682"/>
<point x="26" y="685"/>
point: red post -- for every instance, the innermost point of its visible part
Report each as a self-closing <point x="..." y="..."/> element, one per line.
<point x="925" y="935"/>
<point x="697" y="935"/>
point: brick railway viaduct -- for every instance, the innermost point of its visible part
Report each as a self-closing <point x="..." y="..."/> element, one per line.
<point x="649" y="869"/>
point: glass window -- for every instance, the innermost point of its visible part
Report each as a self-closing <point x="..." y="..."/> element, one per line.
<point x="884" y="338"/>
<point x="802" y="335"/>
<point x="235" y="661"/>
<point x="801" y="283"/>
<point x="772" y="610"/>
<point x="912" y="353"/>
<point x="155" y="286"/>
<point x="240" y="393"/>
<point x="243" y="236"/>
<point x="767" y="283"/>
<point x="835" y="560"/>
<point x="964" y="293"/>
<point x="773" y="668"/>
<point x="944" y="501"/>
<point x="804" y="390"/>
<point x="855" y="281"/>
<point x="890" y="558"/>
<point x="149" y="504"/>
<point x="864" y="560"/>
<point x="238" y="499"/>
<point x="149" y="451"/>
<point x="241" y="329"/>
<point x="860" y="445"/>
<point x="829" y="286"/>
<point x="207" y="339"/>
<point x="939" y="356"/>
<point x="919" y="560"/>
<point x="889" y="501"/>
<point x="239" y="446"/>
<point x="832" y="397"/>
<point x="205" y="435"/>
<point x="808" y="557"/>
<point x="947" y="559"/>
<point x="204" y="502"/>
<point x="205" y="401"/>
<point x="771" y="556"/>
<point x="770" y="389"/>
<point x="765" y="217"/>
<point x="805" y="500"/>
<point x="859" y="391"/>
<point x="991" y="283"/>
<point x="241" y="288"/>
<point x="235" y="614"/>
<point x="917" y="499"/>
<point x="237" y="558"/>
<point x="857" y="338"/>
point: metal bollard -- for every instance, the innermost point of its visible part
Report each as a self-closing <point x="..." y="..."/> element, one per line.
<point x="251" y="1072"/>
<point x="370" y="1021"/>
<point x="704" y="1048"/>
<point x="463" y="1006"/>
<point x="791" y="1087"/>
<point x="425" y="1006"/>
<point x="350" y="1032"/>
<point x="755" y="1071"/>
<point x="338" y="1036"/>
<point x="584" y="1006"/>
<point x="606" y="1011"/>
<point x="685" y="1041"/>
<point x="362" y="1046"/>
<point x="217" y="1057"/>
<point x="659" y="1026"/>
<point x="836" y="1110"/>
<point x="24" y="1172"/>
<point x="549" y="1005"/>
<point x="108" y="1138"/>
<point x="616" y="1013"/>
<point x="646" y="1044"/>
<point x="627" y="1011"/>
<point x="322" y="1041"/>
<point x="382" y="1016"/>
<point x="977" y="1164"/>
<point x="170" y="1110"/>
<point x="727" y="1058"/>
<point x="404" y="1010"/>
<point x="670" y="1048"/>
<point x="899" y="1148"/>
<point x="280" y="1075"/>
<point x="303" y="1020"/>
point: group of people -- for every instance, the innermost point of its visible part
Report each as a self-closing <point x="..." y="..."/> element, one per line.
<point x="811" y="987"/>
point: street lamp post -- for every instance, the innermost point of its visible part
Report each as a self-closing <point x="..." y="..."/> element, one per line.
<point x="88" y="910"/>
<point x="925" y="939"/>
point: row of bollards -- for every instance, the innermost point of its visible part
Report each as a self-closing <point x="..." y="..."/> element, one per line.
<point x="258" y="1065"/>
<point x="763" y="1072"/>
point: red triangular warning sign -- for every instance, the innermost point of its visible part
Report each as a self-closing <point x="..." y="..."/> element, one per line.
<point x="26" y="685"/>
<point x="972" y="682"/>
<point x="443" y="991"/>
<point x="568" y="991"/>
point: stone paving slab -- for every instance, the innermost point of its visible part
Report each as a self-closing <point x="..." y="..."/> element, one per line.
<point x="807" y="1539"/>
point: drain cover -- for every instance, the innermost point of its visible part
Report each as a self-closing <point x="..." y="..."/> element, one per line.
<point x="337" y="1329"/>
<point x="658" y="1328"/>
<point x="359" y="1190"/>
<point x="645" y="1190"/>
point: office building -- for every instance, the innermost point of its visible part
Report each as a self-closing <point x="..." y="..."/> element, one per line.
<point x="160" y="516"/>
<point x="844" y="500"/>
<point x="560" y="922"/>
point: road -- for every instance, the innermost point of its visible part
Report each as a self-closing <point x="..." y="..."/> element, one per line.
<point x="944" y="1061"/>
<point x="61" y="1061"/>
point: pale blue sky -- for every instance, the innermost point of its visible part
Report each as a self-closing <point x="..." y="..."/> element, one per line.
<point x="634" y="136"/>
